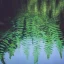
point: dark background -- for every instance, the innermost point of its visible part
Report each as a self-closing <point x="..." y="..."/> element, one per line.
<point x="9" y="9"/>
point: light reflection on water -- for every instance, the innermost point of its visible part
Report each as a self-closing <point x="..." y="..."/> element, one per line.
<point x="20" y="56"/>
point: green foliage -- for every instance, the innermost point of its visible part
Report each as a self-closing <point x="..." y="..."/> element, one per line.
<point x="34" y="25"/>
<point x="11" y="50"/>
<point x="48" y="47"/>
<point x="60" y="47"/>
<point x="36" y="51"/>
<point x="25" y="44"/>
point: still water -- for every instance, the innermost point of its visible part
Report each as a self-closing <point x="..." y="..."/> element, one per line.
<point x="34" y="54"/>
<point x="33" y="39"/>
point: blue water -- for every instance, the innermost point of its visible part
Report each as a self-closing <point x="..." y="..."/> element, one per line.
<point x="21" y="58"/>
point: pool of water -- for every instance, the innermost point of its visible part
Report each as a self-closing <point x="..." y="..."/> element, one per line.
<point x="33" y="39"/>
<point x="34" y="54"/>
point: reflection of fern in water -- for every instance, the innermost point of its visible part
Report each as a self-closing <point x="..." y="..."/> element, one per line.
<point x="8" y="44"/>
<point x="48" y="47"/>
<point x="60" y="47"/>
<point x="53" y="34"/>
<point x="35" y="25"/>
<point x="26" y="45"/>
<point x="36" y="51"/>
<point x="3" y="47"/>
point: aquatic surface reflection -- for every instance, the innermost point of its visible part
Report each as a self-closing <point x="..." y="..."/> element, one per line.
<point x="35" y="36"/>
<point x="29" y="53"/>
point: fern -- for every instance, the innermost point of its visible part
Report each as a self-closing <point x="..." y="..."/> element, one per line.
<point x="36" y="51"/>
<point x="34" y="24"/>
